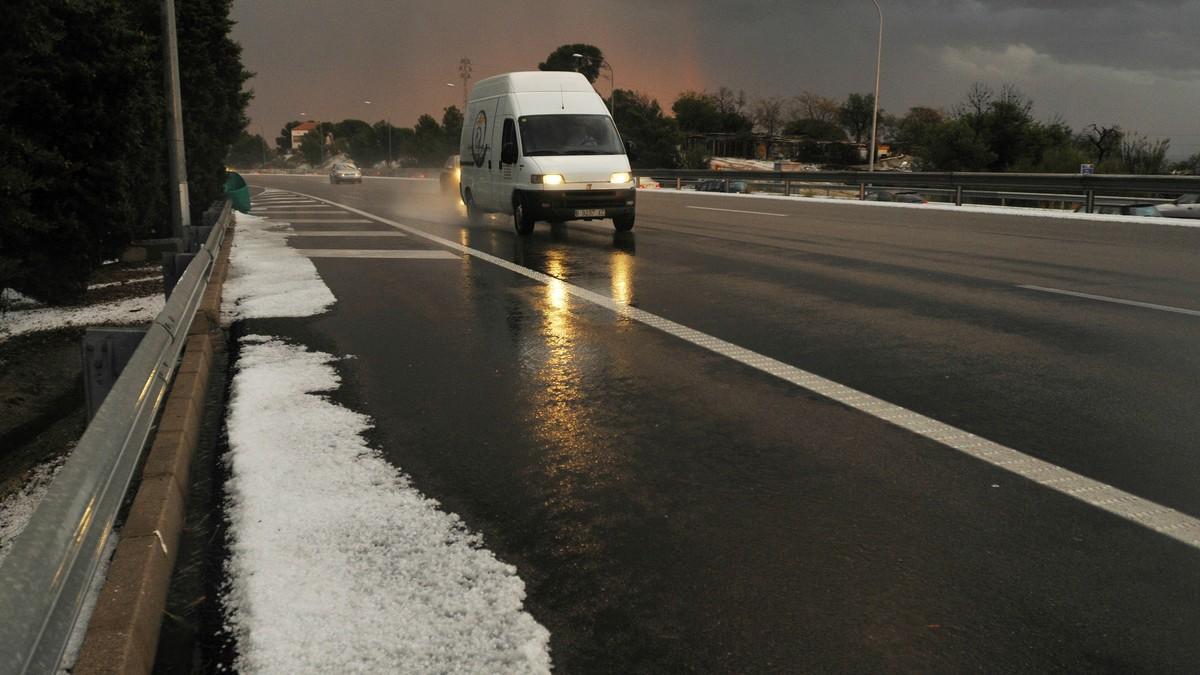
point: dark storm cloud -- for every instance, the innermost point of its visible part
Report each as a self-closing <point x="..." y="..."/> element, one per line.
<point x="1132" y="63"/>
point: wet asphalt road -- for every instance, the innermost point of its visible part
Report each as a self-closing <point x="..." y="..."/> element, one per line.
<point x="671" y="509"/>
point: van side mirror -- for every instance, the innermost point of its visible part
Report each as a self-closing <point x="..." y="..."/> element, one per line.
<point x="631" y="150"/>
<point x="508" y="153"/>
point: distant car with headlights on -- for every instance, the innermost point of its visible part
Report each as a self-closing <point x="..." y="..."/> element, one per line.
<point x="645" y="183"/>
<point x="345" y="172"/>
<point x="448" y="179"/>
<point x="1187" y="206"/>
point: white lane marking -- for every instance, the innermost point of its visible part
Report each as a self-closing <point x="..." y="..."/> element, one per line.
<point x="267" y="204"/>
<point x="1143" y="512"/>
<point x="753" y="213"/>
<point x="1119" y="301"/>
<point x="421" y="254"/>
<point x="345" y="233"/>
<point x="283" y="214"/>
<point x="318" y="207"/>
<point x="284" y="219"/>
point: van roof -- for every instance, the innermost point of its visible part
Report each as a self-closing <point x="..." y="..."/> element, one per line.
<point x="530" y="81"/>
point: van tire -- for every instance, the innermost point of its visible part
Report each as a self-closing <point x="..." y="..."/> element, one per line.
<point x="522" y="221"/>
<point x="623" y="223"/>
<point x="474" y="215"/>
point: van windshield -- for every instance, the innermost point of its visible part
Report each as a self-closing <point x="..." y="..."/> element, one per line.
<point x="569" y="135"/>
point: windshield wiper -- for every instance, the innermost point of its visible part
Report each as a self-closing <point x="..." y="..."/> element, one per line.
<point x="540" y="153"/>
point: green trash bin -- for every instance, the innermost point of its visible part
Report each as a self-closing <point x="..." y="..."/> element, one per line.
<point x="237" y="191"/>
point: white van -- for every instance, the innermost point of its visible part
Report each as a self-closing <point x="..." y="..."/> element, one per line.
<point x="543" y="146"/>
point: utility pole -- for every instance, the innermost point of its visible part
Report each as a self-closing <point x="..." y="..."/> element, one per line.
<point x="464" y="74"/>
<point x="176" y="158"/>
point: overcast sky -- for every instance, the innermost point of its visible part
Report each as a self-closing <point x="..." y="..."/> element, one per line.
<point x="1136" y="64"/>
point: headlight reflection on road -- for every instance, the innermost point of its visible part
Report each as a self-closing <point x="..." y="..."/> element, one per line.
<point x="621" y="267"/>
<point x="578" y="457"/>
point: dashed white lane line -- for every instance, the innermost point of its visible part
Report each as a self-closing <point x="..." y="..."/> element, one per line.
<point x="753" y="213"/>
<point x="284" y="219"/>
<point x="290" y="212"/>
<point x="345" y="233"/>
<point x="382" y="254"/>
<point x="283" y="203"/>
<point x="1118" y="301"/>
<point x="1161" y="519"/>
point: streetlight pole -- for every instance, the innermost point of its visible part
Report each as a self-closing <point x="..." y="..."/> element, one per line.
<point x="612" y="80"/>
<point x="875" y="112"/>
<point x="181" y="217"/>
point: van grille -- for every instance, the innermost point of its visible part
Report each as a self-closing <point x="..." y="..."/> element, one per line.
<point x="585" y="198"/>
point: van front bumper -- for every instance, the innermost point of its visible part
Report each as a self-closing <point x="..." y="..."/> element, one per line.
<point x="559" y="205"/>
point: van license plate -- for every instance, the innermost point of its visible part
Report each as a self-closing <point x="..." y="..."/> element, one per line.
<point x="589" y="213"/>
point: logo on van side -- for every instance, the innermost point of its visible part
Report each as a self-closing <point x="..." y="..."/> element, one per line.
<point x="479" y="139"/>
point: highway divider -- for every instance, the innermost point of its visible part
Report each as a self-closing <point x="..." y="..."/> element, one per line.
<point x="1082" y="188"/>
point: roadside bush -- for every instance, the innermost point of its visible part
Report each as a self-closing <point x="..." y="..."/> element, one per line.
<point x="82" y="139"/>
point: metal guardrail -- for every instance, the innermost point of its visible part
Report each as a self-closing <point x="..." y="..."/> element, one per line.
<point x="45" y="579"/>
<point x="1033" y="186"/>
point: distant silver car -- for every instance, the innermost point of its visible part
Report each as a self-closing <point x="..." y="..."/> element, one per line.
<point x="1187" y="206"/>
<point x="345" y="172"/>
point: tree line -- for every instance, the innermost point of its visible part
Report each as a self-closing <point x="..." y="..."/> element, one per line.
<point x="83" y="153"/>
<point x="988" y="131"/>
<point x="426" y="143"/>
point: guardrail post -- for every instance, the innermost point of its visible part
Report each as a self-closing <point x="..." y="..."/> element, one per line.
<point x="725" y="185"/>
<point x="862" y="191"/>
<point x="105" y="352"/>
<point x="196" y="235"/>
<point x="173" y="266"/>
<point x="1089" y="201"/>
<point x="958" y="195"/>
<point x="678" y="183"/>
<point x="787" y="188"/>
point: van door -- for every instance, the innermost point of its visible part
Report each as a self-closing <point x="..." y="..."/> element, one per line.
<point x="508" y="157"/>
<point x="479" y="160"/>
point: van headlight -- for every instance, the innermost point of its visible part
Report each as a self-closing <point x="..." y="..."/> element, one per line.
<point x="547" y="179"/>
<point x="619" y="177"/>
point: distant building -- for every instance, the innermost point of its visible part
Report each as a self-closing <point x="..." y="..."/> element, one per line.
<point x="299" y="131"/>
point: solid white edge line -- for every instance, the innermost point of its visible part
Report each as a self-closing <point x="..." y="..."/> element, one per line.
<point x="753" y="213"/>
<point x="1161" y="519"/>
<point x="1117" y="301"/>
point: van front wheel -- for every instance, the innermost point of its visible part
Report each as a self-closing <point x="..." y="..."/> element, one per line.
<point x="623" y="223"/>
<point x="522" y="221"/>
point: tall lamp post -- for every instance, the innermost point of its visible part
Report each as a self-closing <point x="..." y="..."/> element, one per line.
<point x="875" y="112"/>
<point x="612" y="79"/>
<point x="464" y="74"/>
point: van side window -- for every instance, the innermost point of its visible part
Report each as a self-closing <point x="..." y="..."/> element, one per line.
<point x="509" y="140"/>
